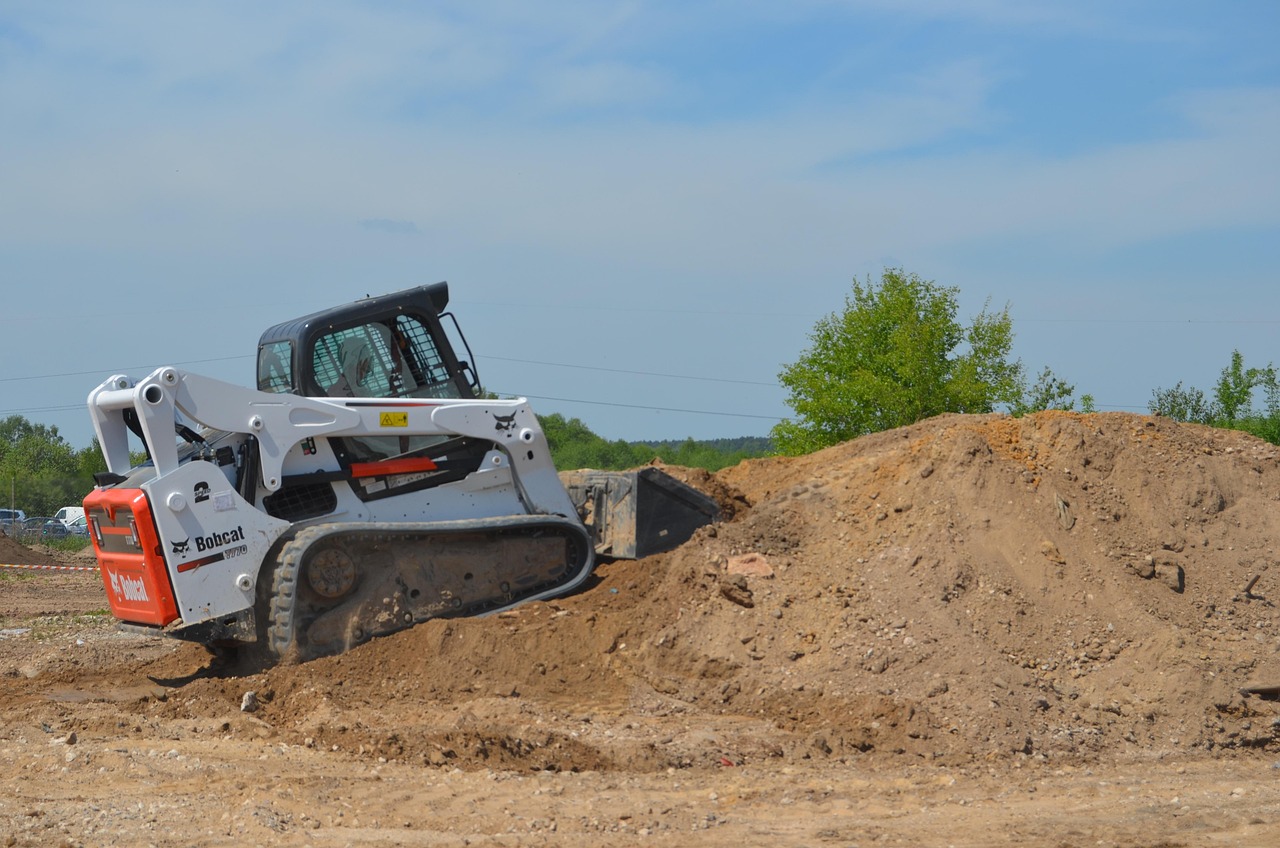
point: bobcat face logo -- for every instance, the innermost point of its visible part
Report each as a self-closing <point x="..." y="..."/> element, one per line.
<point x="181" y="547"/>
<point x="504" y="422"/>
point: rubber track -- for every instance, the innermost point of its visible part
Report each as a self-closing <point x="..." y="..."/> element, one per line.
<point x="280" y="632"/>
<point x="279" y="641"/>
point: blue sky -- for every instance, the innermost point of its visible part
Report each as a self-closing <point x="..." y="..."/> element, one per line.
<point x="641" y="207"/>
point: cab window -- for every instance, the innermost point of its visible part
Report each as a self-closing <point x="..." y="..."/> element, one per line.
<point x="275" y="372"/>
<point x="382" y="360"/>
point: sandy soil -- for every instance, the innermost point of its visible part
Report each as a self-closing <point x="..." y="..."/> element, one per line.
<point x="1055" y="631"/>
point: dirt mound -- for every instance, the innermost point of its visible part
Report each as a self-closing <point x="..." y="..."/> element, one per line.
<point x="1056" y="586"/>
<point x="27" y="592"/>
<point x="968" y="631"/>
<point x="13" y="552"/>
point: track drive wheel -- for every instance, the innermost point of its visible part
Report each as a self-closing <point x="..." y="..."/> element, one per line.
<point x="310" y="576"/>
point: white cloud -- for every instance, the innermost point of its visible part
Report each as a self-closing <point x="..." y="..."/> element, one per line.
<point x="599" y="84"/>
<point x="391" y="226"/>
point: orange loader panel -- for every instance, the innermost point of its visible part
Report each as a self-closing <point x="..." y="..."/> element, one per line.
<point x="130" y="557"/>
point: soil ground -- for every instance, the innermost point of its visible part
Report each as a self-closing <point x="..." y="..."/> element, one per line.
<point x="1057" y="630"/>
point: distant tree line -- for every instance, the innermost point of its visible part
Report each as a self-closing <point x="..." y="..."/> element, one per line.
<point x="39" y="471"/>
<point x="574" y="445"/>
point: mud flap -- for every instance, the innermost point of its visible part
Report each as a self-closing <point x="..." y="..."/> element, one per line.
<point x="633" y="514"/>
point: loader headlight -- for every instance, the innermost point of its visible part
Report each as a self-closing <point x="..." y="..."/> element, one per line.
<point x="133" y="533"/>
<point x="95" y="529"/>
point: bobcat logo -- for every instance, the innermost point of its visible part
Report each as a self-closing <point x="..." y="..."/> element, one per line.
<point x="504" y="422"/>
<point x="129" y="588"/>
<point x="181" y="547"/>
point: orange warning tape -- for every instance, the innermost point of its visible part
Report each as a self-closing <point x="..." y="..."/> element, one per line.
<point x="52" y="567"/>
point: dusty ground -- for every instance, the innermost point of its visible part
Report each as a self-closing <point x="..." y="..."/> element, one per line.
<point x="973" y="631"/>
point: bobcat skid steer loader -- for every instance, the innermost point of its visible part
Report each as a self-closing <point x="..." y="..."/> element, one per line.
<point x="361" y="488"/>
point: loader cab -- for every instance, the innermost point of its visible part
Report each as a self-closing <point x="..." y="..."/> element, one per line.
<point x="391" y="346"/>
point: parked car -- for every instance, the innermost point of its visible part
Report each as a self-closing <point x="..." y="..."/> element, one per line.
<point x="11" y="521"/>
<point x="53" y="529"/>
<point x="69" y="514"/>
<point x="31" y="528"/>
<point x="79" y="526"/>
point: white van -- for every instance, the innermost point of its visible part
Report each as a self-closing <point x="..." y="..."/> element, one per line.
<point x="68" y="514"/>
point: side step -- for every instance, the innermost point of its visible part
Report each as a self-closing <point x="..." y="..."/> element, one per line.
<point x="633" y="514"/>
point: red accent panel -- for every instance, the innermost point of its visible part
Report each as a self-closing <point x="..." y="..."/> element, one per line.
<point x="137" y="581"/>
<point x="391" y="466"/>
<point x="196" y="563"/>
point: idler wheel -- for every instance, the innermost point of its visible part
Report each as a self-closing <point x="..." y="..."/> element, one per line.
<point x="331" y="573"/>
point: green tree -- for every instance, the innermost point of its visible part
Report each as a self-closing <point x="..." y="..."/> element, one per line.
<point x="1049" y="392"/>
<point x="574" y="445"/>
<point x="712" y="455"/>
<point x="41" y="469"/>
<point x="1234" y="390"/>
<point x="895" y="355"/>
<point x="1232" y="403"/>
<point x="1182" y="404"/>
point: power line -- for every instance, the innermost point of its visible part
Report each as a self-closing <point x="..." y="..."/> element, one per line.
<point x="79" y="406"/>
<point x="639" y="373"/>
<point x="650" y="408"/>
<point x="1116" y="406"/>
<point x="1146" y="321"/>
<point x="581" y="307"/>
<point x="496" y="358"/>
<point x="119" y="370"/>
<point x="585" y="307"/>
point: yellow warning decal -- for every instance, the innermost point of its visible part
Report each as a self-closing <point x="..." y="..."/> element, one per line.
<point x="393" y="419"/>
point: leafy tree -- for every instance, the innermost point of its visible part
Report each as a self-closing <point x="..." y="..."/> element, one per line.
<point x="895" y="355"/>
<point x="1232" y="403"/>
<point x="1266" y="425"/>
<point x="90" y="460"/>
<point x="1051" y="392"/>
<point x="1182" y="404"/>
<point x="712" y="455"/>
<point x="41" y="469"/>
<point x="574" y="445"/>
<point x="1234" y="391"/>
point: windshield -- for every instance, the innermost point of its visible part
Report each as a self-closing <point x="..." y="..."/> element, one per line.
<point x="382" y="360"/>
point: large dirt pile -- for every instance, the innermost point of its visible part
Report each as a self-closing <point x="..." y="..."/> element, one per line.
<point x="1057" y="586"/>
<point x="13" y="552"/>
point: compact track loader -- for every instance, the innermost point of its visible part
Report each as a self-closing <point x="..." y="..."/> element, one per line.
<point x="363" y="487"/>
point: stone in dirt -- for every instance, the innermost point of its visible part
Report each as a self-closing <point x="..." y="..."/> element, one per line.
<point x="749" y="565"/>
